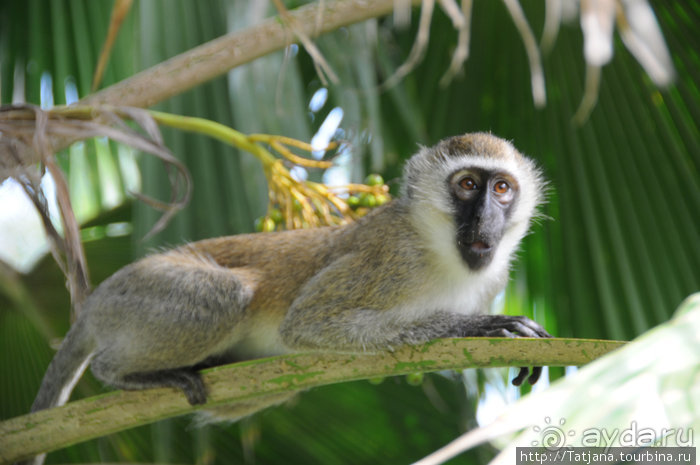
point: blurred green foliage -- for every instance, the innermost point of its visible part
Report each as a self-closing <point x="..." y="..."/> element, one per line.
<point x="619" y="252"/>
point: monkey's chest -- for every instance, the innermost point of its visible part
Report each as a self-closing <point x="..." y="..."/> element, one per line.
<point x="464" y="296"/>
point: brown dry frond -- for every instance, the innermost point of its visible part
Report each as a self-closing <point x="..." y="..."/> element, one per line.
<point x="28" y="136"/>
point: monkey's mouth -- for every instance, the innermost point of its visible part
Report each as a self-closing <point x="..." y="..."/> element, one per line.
<point x="479" y="247"/>
<point x="477" y="254"/>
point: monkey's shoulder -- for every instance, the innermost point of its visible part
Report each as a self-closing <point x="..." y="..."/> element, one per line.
<point x="386" y="227"/>
<point x="376" y="263"/>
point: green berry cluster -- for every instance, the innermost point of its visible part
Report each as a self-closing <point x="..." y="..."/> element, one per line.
<point x="362" y="198"/>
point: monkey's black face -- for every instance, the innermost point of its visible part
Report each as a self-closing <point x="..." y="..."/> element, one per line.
<point x="483" y="201"/>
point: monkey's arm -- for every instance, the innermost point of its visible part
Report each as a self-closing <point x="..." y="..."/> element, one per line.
<point x="497" y="326"/>
<point x="384" y="309"/>
<point x="359" y="330"/>
<point x="362" y="329"/>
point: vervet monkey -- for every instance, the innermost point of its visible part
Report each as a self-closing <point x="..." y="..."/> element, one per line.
<point x="426" y="265"/>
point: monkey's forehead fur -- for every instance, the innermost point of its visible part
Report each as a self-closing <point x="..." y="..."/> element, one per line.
<point x="427" y="173"/>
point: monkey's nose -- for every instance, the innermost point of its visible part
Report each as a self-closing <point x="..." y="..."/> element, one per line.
<point x="479" y="247"/>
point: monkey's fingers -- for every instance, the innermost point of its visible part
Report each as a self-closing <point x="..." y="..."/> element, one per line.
<point x="516" y="329"/>
<point x="536" y="372"/>
<point x="500" y="332"/>
<point x="522" y="374"/>
<point x="539" y="330"/>
<point x="527" y="327"/>
<point x="512" y="326"/>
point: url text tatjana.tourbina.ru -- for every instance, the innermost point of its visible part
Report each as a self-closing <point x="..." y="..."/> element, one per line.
<point x="605" y="455"/>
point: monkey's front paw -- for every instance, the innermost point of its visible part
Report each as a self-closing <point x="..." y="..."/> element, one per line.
<point x="524" y="371"/>
<point x="510" y="326"/>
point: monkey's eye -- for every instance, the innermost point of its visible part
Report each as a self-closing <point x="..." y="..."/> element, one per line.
<point x="501" y="187"/>
<point x="468" y="184"/>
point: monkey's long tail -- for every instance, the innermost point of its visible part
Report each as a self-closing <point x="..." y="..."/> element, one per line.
<point x="63" y="373"/>
<point x="66" y="368"/>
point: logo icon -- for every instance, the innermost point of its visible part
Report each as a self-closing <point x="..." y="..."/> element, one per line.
<point x="552" y="437"/>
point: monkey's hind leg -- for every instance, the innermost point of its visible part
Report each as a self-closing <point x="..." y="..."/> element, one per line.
<point x="156" y="320"/>
<point x="187" y="378"/>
